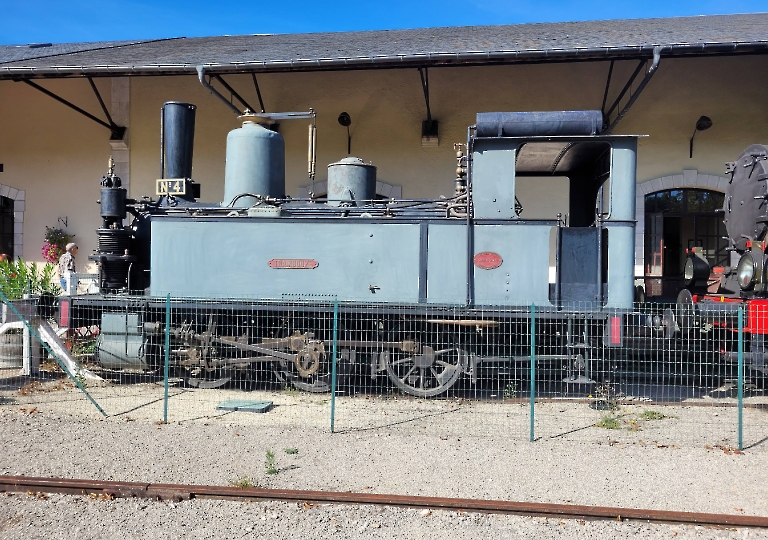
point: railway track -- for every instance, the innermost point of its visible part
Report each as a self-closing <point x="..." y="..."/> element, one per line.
<point x="179" y="492"/>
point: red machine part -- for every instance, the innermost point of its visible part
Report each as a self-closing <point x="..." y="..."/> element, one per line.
<point x="756" y="311"/>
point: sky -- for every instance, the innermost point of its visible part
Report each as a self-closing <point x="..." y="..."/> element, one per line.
<point x="67" y="21"/>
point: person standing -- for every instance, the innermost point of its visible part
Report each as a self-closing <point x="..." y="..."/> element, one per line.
<point x="67" y="264"/>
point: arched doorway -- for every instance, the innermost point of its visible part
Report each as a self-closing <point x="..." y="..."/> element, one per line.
<point x="677" y="220"/>
<point x="6" y="226"/>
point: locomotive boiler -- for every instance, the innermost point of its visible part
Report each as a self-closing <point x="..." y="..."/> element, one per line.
<point x="427" y="289"/>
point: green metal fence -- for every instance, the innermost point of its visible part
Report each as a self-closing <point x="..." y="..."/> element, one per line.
<point x="659" y="375"/>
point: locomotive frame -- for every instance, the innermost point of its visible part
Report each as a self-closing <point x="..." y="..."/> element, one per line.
<point x="428" y="290"/>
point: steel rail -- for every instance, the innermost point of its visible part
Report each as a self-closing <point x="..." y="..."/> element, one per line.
<point x="178" y="492"/>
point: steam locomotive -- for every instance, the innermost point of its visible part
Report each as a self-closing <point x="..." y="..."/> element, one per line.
<point x="714" y="298"/>
<point x="427" y="289"/>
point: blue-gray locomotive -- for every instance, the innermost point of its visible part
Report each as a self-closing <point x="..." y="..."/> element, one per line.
<point x="428" y="289"/>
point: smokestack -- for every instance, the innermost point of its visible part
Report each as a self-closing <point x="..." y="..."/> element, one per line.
<point x="177" y="139"/>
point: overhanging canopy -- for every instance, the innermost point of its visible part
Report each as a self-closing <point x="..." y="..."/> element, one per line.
<point x="452" y="46"/>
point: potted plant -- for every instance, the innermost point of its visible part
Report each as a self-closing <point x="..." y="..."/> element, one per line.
<point x="17" y="280"/>
<point x="55" y="244"/>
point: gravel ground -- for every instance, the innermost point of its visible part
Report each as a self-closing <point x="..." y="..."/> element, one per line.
<point x="30" y="517"/>
<point x="451" y="448"/>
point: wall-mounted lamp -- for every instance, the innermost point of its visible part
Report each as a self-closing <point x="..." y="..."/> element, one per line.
<point x="346" y="121"/>
<point x="703" y="123"/>
<point x="429" y="130"/>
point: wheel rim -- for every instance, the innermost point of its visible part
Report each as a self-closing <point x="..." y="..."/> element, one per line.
<point x="428" y="374"/>
<point x="207" y="379"/>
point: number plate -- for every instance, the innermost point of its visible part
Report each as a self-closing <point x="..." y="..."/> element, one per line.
<point x="294" y="264"/>
<point x="171" y="186"/>
<point x="488" y="260"/>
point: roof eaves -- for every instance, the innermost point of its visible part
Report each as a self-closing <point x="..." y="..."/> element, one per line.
<point x="578" y="53"/>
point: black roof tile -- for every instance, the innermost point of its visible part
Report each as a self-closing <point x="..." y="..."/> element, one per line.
<point x="718" y="34"/>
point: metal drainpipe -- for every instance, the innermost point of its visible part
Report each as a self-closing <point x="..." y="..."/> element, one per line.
<point x="212" y="90"/>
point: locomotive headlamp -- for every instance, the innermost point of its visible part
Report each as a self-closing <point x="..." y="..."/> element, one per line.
<point x="696" y="271"/>
<point x="765" y="273"/>
<point x="745" y="271"/>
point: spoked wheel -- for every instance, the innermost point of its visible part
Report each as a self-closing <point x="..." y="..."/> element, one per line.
<point x="205" y="375"/>
<point x="430" y="373"/>
<point x="316" y="385"/>
<point x="685" y="311"/>
<point x="310" y="369"/>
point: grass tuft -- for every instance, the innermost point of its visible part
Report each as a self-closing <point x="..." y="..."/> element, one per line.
<point x="291" y="451"/>
<point x="243" y="482"/>
<point x="609" y="422"/>
<point x="270" y="464"/>
<point x="653" y="415"/>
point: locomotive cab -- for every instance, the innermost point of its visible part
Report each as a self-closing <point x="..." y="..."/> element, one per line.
<point x="601" y="203"/>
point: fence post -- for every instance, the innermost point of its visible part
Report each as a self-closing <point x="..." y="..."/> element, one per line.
<point x="533" y="368"/>
<point x="333" y="362"/>
<point x="741" y="376"/>
<point x="166" y="355"/>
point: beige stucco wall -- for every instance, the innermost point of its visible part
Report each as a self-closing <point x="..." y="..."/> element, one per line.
<point x="57" y="156"/>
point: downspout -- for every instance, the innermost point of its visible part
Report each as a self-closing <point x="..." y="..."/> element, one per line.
<point x="640" y="87"/>
<point x="212" y="90"/>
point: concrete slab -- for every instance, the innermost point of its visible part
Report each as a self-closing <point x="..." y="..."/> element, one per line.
<point x="243" y="405"/>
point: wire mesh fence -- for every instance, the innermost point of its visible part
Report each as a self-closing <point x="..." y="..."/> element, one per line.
<point x="657" y="374"/>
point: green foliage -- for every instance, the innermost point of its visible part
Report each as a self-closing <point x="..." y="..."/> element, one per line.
<point x="80" y="378"/>
<point x="629" y="420"/>
<point x="653" y="415"/>
<point x="291" y="451"/>
<point x="609" y="422"/>
<point x="18" y="278"/>
<point x="55" y="244"/>
<point x="243" y="482"/>
<point x="84" y="348"/>
<point x="57" y="237"/>
<point x="510" y="391"/>
<point x="290" y="390"/>
<point x="270" y="464"/>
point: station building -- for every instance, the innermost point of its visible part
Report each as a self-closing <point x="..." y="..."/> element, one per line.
<point x="696" y="86"/>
